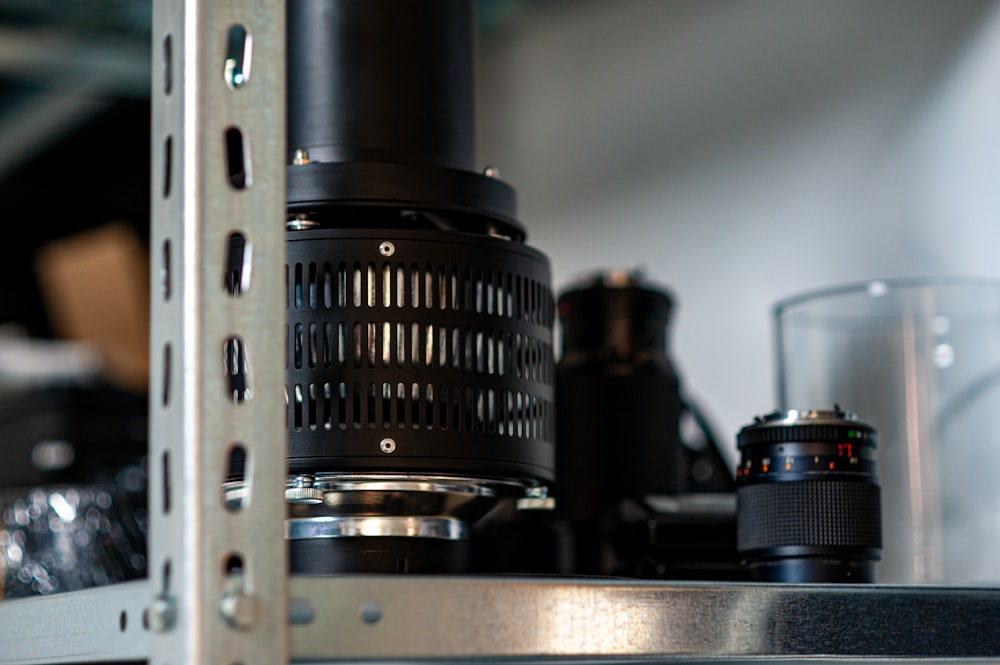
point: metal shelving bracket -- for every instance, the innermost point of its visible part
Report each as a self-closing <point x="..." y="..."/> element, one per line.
<point x="218" y="568"/>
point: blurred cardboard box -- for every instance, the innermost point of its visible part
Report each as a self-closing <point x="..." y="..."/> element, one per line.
<point x="96" y="288"/>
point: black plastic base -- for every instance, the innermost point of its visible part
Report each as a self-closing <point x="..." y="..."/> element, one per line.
<point x="378" y="555"/>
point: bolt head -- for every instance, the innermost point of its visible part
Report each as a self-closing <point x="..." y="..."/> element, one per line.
<point x="387" y="446"/>
<point x="240" y="611"/>
<point x="371" y="613"/>
<point x="386" y="248"/>
<point x="162" y="614"/>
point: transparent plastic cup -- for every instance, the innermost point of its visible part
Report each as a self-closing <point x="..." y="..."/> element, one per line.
<point x="918" y="359"/>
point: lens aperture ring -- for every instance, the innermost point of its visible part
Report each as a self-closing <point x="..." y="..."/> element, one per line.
<point x="756" y="435"/>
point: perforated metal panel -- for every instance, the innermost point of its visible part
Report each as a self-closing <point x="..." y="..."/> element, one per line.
<point x="442" y="341"/>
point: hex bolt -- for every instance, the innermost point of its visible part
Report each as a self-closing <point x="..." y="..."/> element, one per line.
<point x="240" y="611"/>
<point x="301" y="157"/>
<point x="386" y="248"/>
<point x="162" y="614"/>
<point x="387" y="446"/>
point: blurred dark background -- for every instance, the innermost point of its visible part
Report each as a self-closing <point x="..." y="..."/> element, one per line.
<point x="74" y="133"/>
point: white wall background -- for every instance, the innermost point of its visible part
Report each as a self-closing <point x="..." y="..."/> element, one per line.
<point x="742" y="152"/>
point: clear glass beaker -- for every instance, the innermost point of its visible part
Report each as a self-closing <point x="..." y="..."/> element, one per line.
<point x="919" y="359"/>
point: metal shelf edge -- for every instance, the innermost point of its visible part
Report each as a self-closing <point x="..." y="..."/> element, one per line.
<point x="541" y="619"/>
<point x="537" y="619"/>
<point x="104" y="624"/>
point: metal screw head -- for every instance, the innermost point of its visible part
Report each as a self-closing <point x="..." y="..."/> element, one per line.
<point x="304" y="495"/>
<point x="386" y="248"/>
<point x="491" y="172"/>
<point x="240" y="611"/>
<point x="302" y="490"/>
<point x="301" y="157"/>
<point x="162" y="614"/>
<point x="303" y="480"/>
<point x="371" y="613"/>
<point x="387" y="446"/>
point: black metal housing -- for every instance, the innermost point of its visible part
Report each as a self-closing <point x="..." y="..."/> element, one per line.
<point x="419" y="323"/>
<point x="441" y="341"/>
<point x="382" y="81"/>
<point x="381" y="99"/>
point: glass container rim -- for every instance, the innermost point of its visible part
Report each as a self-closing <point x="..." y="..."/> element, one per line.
<point x="885" y="285"/>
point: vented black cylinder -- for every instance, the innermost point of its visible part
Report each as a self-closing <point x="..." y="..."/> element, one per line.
<point x="419" y="351"/>
<point x="420" y="359"/>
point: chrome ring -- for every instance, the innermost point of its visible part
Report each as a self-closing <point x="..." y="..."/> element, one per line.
<point x="346" y="527"/>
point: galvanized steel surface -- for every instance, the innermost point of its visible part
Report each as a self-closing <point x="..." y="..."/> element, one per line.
<point x="218" y="582"/>
<point x="521" y="619"/>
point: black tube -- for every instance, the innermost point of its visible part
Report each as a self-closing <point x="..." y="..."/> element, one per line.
<point x="384" y="81"/>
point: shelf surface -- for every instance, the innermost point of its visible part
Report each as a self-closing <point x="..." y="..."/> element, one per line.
<point x="540" y="619"/>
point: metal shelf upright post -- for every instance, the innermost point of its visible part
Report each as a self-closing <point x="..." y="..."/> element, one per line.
<point x="217" y="568"/>
<point x="217" y="585"/>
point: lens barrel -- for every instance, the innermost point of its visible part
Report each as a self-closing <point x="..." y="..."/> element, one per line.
<point x="619" y="396"/>
<point x="618" y="408"/>
<point x="808" y="499"/>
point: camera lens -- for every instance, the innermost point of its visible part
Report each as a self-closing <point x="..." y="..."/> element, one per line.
<point x="808" y="502"/>
<point x="615" y="383"/>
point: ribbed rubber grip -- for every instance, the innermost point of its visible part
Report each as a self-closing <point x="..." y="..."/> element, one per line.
<point x="809" y="513"/>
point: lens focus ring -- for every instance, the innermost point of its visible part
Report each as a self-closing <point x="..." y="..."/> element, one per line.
<point x="810" y="514"/>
